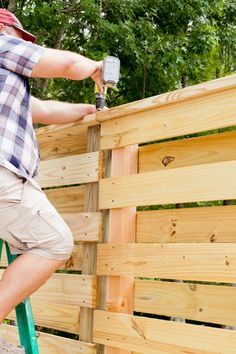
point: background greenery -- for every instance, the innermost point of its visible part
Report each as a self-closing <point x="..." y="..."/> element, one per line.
<point x="162" y="44"/>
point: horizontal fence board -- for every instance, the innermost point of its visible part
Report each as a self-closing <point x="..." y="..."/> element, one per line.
<point x="182" y="94"/>
<point x="62" y="140"/>
<point x="75" y="261"/>
<point x="204" y="262"/>
<point x="69" y="170"/>
<point x="85" y="226"/>
<point x="80" y="290"/>
<point x="50" y="344"/>
<point x="180" y="118"/>
<point x="181" y="185"/>
<point x="205" y="303"/>
<point x="208" y="224"/>
<point x="50" y="315"/>
<point x="67" y="200"/>
<point x="68" y="289"/>
<point x="151" y="336"/>
<point x="188" y="152"/>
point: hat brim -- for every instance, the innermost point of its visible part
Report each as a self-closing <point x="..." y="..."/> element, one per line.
<point x="27" y="36"/>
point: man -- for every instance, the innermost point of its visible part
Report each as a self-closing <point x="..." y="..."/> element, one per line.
<point x="28" y="222"/>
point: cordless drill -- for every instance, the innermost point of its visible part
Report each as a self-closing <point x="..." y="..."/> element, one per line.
<point x="110" y="78"/>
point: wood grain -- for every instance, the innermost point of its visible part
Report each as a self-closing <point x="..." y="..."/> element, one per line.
<point x="202" y="89"/>
<point x="188" y="152"/>
<point x="86" y="227"/>
<point x="208" y="224"/>
<point x="62" y="140"/>
<point x="67" y="200"/>
<point x="50" y="315"/>
<point x="214" y="181"/>
<point x="119" y="292"/>
<point x="205" y="303"/>
<point x="90" y="249"/>
<point x="68" y="289"/>
<point x="176" y="119"/>
<point x="203" y="262"/>
<point x="50" y="344"/>
<point x="69" y="170"/>
<point x="152" y="336"/>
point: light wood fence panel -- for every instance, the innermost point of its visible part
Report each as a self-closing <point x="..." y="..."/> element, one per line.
<point x="205" y="303"/>
<point x="84" y="226"/>
<point x="151" y="336"/>
<point x="197" y="261"/>
<point x="60" y="298"/>
<point x="167" y="121"/>
<point x="67" y="200"/>
<point x="204" y="224"/>
<point x="181" y="185"/>
<point x="70" y="170"/>
<point x="61" y="140"/>
<point x="50" y="344"/>
<point x="185" y="94"/>
<point x="188" y="152"/>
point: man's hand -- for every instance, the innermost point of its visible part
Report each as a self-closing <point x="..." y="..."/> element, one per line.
<point x="97" y="76"/>
<point x="55" y="112"/>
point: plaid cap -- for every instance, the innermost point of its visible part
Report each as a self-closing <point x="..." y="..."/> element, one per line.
<point x="8" y="19"/>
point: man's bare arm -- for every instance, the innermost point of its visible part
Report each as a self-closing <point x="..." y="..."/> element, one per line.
<point x="64" y="64"/>
<point x="55" y="112"/>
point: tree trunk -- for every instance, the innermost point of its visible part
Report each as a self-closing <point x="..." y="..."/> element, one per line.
<point x="42" y="84"/>
<point x="184" y="80"/>
<point x="11" y="5"/>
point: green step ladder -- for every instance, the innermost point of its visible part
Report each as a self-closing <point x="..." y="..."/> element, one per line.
<point x="24" y="315"/>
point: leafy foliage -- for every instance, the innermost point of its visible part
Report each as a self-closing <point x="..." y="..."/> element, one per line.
<point x="162" y="44"/>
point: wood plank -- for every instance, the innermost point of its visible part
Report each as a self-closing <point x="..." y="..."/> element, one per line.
<point x="50" y="344"/>
<point x="69" y="289"/>
<point x="67" y="200"/>
<point x="184" y="94"/>
<point x="204" y="262"/>
<point x="73" y="263"/>
<point x="76" y="259"/>
<point x="63" y="140"/>
<point x="208" y="224"/>
<point x="73" y="289"/>
<point x="188" y="152"/>
<point x="90" y="249"/>
<point x="48" y="314"/>
<point x="214" y="181"/>
<point x="69" y="170"/>
<point x="216" y="110"/>
<point x="86" y="227"/>
<point x="151" y="336"/>
<point x="122" y="224"/>
<point x="205" y="303"/>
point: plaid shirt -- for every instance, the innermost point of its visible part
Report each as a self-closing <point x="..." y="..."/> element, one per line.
<point x="18" y="145"/>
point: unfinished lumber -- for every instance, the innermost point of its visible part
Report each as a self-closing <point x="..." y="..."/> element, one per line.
<point x="215" y="262"/>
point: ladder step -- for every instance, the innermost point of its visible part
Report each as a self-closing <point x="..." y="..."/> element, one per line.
<point x="24" y="315"/>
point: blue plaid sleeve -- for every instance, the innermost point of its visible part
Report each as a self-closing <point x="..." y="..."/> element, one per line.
<point x="19" y="56"/>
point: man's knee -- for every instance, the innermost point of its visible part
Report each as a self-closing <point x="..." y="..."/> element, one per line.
<point x="62" y="250"/>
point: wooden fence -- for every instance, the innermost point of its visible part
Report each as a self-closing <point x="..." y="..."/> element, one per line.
<point x="134" y="271"/>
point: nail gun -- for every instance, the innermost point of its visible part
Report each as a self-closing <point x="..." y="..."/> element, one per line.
<point x="110" y="78"/>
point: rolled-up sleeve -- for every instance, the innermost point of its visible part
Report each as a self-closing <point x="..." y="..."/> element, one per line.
<point x="19" y="56"/>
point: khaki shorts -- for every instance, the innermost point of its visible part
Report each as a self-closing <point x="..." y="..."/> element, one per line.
<point x="29" y="222"/>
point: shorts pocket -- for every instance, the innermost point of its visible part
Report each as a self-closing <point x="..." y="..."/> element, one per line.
<point x="40" y="230"/>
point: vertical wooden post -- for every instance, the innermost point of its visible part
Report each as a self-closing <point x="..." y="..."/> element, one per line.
<point x="90" y="249"/>
<point x="117" y="293"/>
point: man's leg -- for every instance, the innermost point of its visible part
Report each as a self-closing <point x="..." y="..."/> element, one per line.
<point x="24" y="276"/>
